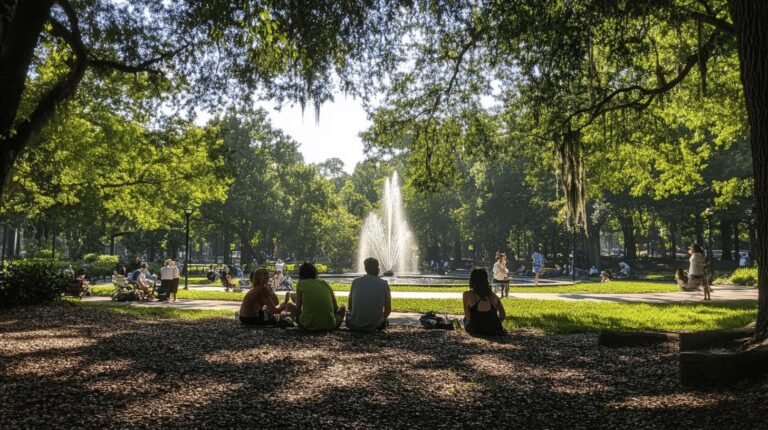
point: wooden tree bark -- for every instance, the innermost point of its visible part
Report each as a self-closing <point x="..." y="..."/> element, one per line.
<point x="21" y="23"/>
<point x="672" y="239"/>
<point x="594" y="224"/>
<point x="628" y="230"/>
<point x="726" y="245"/>
<point x="698" y="230"/>
<point x="246" y="252"/>
<point x="750" y="19"/>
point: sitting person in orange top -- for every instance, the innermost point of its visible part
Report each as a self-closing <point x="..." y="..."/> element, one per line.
<point x="260" y="305"/>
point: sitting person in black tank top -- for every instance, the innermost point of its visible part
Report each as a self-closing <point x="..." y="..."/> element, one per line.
<point x="483" y="311"/>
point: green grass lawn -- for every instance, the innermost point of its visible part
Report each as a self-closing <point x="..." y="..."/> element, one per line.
<point x="620" y="287"/>
<point x="199" y="280"/>
<point x="567" y="316"/>
<point x="548" y="315"/>
<point x="182" y="294"/>
<point x="626" y="287"/>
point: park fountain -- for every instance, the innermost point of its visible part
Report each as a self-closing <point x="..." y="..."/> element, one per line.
<point x="386" y="236"/>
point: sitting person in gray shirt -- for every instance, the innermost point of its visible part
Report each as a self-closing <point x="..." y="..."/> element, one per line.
<point x="370" y="301"/>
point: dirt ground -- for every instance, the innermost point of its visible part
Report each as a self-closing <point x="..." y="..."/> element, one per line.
<point x="62" y="366"/>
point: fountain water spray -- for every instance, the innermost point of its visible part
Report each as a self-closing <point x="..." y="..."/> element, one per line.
<point x="386" y="236"/>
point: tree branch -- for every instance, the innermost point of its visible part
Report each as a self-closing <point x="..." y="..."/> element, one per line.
<point x="720" y="24"/>
<point x="710" y="17"/>
<point x="62" y="90"/>
<point x="144" y="66"/>
<point x="473" y="37"/>
<point x="74" y="22"/>
<point x="597" y="109"/>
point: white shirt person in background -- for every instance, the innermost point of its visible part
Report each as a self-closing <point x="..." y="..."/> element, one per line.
<point x="501" y="273"/>
<point x="697" y="270"/>
<point x="538" y="264"/>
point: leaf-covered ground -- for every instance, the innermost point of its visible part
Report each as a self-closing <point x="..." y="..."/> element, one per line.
<point x="64" y="366"/>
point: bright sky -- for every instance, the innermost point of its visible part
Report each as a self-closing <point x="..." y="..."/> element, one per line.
<point x="336" y="135"/>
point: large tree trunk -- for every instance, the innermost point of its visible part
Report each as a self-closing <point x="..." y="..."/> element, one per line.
<point x="672" y="239"/>
<point x="246" y="252"/>
<point x="594" y="224"/>
<point x="725" y="240"/>
<point x="227" y="251"/>
<point x="21" y="23"/>
<point x="628" y="230"/>
<point x="698" y="231"/>
<point x="594" y="245"/>
<point x="750" y="20"/>
<point x="457" y="258"/>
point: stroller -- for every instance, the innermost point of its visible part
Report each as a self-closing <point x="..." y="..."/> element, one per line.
<point x="78" y="287"/>
<point x="125" y="291"/>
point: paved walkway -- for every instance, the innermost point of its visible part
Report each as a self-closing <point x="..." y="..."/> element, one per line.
<point x="720" y="294"/>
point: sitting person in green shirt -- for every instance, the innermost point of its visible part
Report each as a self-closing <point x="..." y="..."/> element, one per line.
<point x="316" y="302"/>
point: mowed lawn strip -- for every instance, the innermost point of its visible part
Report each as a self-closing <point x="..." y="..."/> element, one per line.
<point x="559" y="316"/>
<point x="182" y="294"/>
<point x="548" y="315"/>
<point x="615" y="287"/>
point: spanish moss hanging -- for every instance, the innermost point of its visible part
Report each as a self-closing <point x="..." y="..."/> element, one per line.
<point x="571" y="178"/>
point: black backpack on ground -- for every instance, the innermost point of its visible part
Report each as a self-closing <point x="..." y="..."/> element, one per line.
<point x="430" y="321"/>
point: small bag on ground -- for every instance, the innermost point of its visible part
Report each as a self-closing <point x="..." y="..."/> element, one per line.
<point x="430" y="321"/>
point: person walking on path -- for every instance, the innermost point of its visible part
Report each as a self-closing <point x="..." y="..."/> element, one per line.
<point x="697" y="271"/>
<point x="483" y="311"/>
<point x="316" y="303"/>
<point x="370" y="300"/>
<point x="538" y="264"/>
<point x="501" y="273"/>
<point x="175" y="280"/>
<point x="166" y="279"/>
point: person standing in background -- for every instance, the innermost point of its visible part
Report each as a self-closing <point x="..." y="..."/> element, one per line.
<point x="175" y="280"/>
<point x="538" y="264"/>
<point x="501" y="273"/>
<point x="166" y="278"/>
<point x="697" y="270"/>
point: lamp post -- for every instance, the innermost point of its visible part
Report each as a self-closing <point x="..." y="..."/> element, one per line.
<point x="573" y="254"/>
<point x="708" y="212"/>
<point x="53" y="241"/>
<point x="187" y="214"/>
